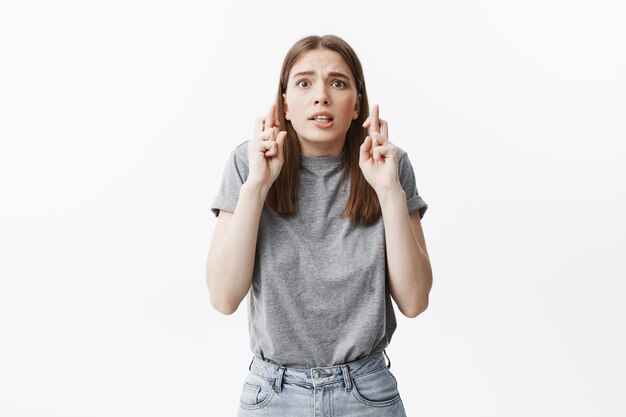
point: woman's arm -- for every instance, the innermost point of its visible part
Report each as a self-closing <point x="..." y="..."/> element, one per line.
<point x="408" y="265"/>
<point x="230" y="263"/>
<point x="410" y="273"/>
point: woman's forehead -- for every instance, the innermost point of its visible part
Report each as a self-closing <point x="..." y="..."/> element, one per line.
<point x="324" y="60"/>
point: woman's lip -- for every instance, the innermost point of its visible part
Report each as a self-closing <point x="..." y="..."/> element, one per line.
<point x="323" y="125"/>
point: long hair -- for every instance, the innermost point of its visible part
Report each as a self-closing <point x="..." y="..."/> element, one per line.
<point x="362" y="205"/>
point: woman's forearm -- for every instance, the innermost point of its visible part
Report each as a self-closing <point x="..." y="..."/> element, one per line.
<point x="230" y="263"/>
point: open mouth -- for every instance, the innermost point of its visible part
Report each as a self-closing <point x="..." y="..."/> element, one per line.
<point x="322" y="121"/>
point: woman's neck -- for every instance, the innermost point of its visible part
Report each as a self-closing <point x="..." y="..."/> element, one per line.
<point x="321" y="149"/>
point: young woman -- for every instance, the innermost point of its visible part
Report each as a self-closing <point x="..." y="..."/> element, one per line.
<point x="319" y="223"/>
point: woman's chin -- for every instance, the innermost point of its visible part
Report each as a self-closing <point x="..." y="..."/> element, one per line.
<point x="319" y="135"/>
<point x="322" y="138"/>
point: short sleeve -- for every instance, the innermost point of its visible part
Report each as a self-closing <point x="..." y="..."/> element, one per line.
<point x="234" y="175"/>
<point x="406" y="175"/>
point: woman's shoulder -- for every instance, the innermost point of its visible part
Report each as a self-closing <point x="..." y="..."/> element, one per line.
<point x="240" y="153"/>
<point x="401" y="153"/>
<point x="242" y="148"/>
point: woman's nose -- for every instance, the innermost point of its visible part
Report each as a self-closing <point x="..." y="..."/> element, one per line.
<point x="321" y="96"/>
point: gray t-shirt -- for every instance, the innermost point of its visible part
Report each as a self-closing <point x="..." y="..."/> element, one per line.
<point x="318" y="296"/>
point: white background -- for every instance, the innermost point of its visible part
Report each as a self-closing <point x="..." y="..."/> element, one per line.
<point x="116" y="119"/>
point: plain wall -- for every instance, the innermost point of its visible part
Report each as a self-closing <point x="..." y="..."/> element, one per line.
<point x="116" y="119"/>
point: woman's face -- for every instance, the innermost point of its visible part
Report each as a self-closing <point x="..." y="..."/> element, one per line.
<point x="321" y="81"/>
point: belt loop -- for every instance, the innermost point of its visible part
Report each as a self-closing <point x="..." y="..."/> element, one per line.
<point x="250" y="366"/>
<point x="346" y="377"/>
<point x="279" y="379"/>
<point x="389" y="365"/>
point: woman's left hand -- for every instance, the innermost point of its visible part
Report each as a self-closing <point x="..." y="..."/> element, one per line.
<point x="378" y="156"/>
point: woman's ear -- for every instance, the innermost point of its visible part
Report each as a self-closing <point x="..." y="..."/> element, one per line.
<point x="285" y="108"/>
<point x="357" y="107"/>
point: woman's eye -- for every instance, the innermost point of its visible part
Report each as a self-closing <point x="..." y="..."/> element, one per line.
<point x="338" y="81"/>
<point x="302" y="81"/>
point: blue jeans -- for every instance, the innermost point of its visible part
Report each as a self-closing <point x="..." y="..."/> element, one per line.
<point x="365" y="387"/>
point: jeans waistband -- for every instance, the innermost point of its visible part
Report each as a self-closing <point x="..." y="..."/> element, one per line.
<point x="320" y="375"/>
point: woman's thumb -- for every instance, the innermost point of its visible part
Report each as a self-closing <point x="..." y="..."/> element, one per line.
<point x="364" y="154"/>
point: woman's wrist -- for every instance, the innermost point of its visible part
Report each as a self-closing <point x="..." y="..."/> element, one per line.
<point x="256" y="187"/>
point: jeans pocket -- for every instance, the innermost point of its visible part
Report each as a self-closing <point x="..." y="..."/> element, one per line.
<point x="376" y="389"/>
<point x="256" y="392"/>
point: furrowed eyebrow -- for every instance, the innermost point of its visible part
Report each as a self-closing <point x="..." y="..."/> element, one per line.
<point x="331" y="74"/>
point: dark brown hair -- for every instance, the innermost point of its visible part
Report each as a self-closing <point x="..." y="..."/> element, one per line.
<point x="362" y="205"/>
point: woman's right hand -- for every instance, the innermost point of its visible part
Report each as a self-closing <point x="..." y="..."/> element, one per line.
<point x="265" y="150"/>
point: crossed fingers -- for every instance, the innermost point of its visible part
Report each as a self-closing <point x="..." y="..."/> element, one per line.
<point x="270" y="120"/>
<point x="378" y="128"/>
